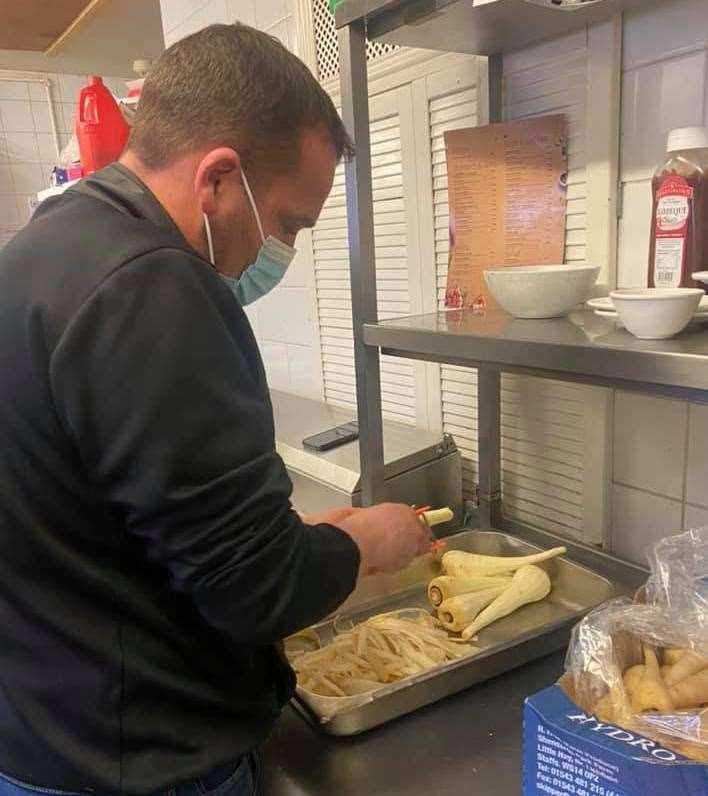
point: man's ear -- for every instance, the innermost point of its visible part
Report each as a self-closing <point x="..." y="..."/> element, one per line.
<point x="215" y="167"/>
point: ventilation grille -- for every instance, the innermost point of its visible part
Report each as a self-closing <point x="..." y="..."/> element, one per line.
<point x="327" y="47"/>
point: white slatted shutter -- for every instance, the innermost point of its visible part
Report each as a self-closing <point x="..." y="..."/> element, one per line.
<point x="331" y="256"/>
<point x="450" y="111"/>
<point x="548" y="427"/>
<point x="552" y="432"/>
<point x="539" y="86"/>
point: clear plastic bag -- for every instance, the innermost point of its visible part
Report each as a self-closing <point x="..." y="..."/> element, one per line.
<point x="679" y="583"/>
<point x="642" y="664"/>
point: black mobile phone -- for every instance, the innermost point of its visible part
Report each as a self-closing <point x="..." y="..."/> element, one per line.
<point x="333" y="437"/>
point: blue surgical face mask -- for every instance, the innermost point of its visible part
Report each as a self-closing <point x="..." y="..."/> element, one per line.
<point x="270" y="266"/>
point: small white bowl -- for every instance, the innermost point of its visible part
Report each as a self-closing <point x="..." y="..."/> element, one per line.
<point x="541" y="291"/>
<point x="656" y="313"/>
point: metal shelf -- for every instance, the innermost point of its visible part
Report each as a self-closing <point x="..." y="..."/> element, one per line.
<point x="581" y="347"/>
<point x="478" y="27"/>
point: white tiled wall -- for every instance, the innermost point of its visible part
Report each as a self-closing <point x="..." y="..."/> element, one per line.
<point x="660" y="482"/>
<point x="284" y="321"/>
<point x="27" y="149"/>
<point x="664" y="85"/>
<point x="660" y="479"/>
<point x="182" y="17"/>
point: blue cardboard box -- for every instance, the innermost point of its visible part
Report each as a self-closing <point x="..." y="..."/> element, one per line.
<point x="568" y="752"/>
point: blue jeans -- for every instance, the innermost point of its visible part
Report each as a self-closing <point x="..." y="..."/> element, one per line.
<point x="243" y="780"/>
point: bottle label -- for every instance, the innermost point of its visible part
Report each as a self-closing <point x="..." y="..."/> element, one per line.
<point x="674" y="199"/>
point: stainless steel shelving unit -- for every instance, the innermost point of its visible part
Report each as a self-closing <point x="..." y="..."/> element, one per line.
<point x="581" y="347"/>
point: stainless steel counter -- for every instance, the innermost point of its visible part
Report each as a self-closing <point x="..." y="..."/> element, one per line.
<point x="419" y="466"/>
<point x="580" y="347"/>
<point x="405" y="447"/>
<point x="469" y="743"/>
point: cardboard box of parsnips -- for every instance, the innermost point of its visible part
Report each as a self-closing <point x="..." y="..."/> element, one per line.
<point x="568" y="752"/>
<point x="630" y="715"/>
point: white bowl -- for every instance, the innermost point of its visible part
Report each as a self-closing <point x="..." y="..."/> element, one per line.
<point x="541" y="291"/>
<point x="656" y="313"/>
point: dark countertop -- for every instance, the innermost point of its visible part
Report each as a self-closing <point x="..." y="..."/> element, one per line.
<point x="469" y="743"/>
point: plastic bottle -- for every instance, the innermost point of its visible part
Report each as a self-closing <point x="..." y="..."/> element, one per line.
<point x="101" y="130"/>
<point x="679" y="229"/>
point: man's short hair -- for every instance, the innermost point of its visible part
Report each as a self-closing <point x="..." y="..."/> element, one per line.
<point x="235" y="86"/>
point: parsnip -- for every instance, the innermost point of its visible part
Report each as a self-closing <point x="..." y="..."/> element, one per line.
<point x="437" y="516"/>
<point x="613" y="706"/>
<point x="651" y="692"/>
<point x="687" y="665"/>
<point x="632" y="679"/>
<point x="529" y="584"/>
<point x="693" y="751"/>
<point x="457" y="612"/>
<point x="616" y="704"/>
<point x="445" y="586"/>
<point x="691" y="692"/>
<point x="672" y="655"/>
<point x="459" y="563"/>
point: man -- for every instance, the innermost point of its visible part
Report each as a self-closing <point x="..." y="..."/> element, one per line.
<point x="151" y="558"/>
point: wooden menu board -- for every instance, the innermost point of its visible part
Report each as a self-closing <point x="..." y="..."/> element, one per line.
<point x="507" y="194"/>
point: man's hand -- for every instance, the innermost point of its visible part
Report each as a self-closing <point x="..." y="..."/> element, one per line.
<point x="389" y="537"/>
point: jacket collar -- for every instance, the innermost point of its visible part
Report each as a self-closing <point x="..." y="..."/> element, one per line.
<point x="121" y="188"/>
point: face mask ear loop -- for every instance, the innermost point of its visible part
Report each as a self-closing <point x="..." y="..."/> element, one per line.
<point x="253" y="205"/>
<point x="210" y="242"/>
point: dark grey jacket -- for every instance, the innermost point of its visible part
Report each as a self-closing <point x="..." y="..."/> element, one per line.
<point x="151" y="560"/>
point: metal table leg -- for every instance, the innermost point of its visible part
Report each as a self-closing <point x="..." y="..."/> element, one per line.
<point x="360" y="221"/>
<point x="489" y="435"/>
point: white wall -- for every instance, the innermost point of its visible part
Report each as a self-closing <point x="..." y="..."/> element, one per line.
<point x="285" y="321"/>
<point x="664" y="85"/>
<point x="660" y="462"/>
<point x="182" y="17"/>
<point x="27" y="151"/>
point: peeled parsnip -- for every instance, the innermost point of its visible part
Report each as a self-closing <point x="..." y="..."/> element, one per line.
<point x="529" y="584"/>
<point x="457" y="612"/>
<point x="446" y="586"/>
<point x="437" y="516"/>
<point x="691" y="692"/>
<point x="459" y="563"/>
<point x="651" y="692"/>
<point x="687" y="665"/>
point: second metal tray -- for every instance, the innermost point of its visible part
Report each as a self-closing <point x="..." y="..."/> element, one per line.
<point x="531" y="632"/>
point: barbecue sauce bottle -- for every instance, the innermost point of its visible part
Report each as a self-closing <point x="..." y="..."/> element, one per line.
<point x="679" y="227"/>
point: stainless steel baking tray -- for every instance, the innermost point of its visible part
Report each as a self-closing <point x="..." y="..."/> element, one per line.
<point x="531" y="632"/>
